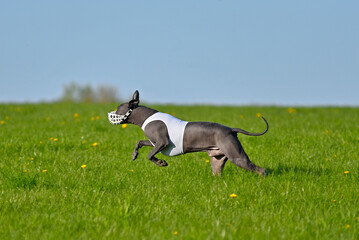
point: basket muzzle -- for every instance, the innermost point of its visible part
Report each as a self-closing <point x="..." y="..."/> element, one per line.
<point x="116" y="119"/>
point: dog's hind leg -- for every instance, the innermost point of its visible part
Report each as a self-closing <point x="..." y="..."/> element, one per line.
<point x="217" y="164"/>
<point x="140" y="144"/>
<point x="236" y="154"/>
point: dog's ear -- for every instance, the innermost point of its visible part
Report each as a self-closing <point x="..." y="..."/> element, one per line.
<point x="135" y="100"/>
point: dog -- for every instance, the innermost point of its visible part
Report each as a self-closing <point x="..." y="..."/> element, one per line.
<point x="172" y="137"/>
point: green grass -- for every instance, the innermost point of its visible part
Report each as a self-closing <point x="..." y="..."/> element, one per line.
<point x="306" y="194"/>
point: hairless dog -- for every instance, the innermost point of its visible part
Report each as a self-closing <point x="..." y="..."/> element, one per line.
<point x="172" y="137"/>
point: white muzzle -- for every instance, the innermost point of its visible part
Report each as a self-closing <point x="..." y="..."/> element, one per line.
<point x="116" y="119"/>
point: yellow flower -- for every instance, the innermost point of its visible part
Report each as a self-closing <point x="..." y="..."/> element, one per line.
<point x="292" y="110"/>
<point x="83" y="166"/>
<point x="346" y="172"/>
<point x="25" y="170"/>
<point x="327" y="131"/>
<point x="347" y="226"/>
<point x="40" y="142"/>
<point x="334" y="201"/>
<point x="76" y="115"/>
<point x="94" y="144"/>
<point x="334" y="155"/>
<point x="175" y="233"/>
<point x="124" y="125"/>
<point x="44" y="170"/>
<point x="259" y="115"/>
<point x="51" y="138"/>
<point x="207" y="161"/>
<point x="70" y="161"/>
<point x="132" y="170"/>
<point x="56" y="139"/>
<point x="93" y="118"/>
<point x="2" y="122"/>
<point x="233" y="195"/>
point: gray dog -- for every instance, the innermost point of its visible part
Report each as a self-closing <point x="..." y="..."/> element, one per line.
<point x="172" y="137"/>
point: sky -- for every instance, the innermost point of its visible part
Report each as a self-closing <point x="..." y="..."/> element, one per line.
<point x="183" y="52"/>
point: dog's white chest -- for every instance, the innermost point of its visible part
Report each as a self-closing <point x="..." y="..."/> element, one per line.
<point x="175" y="129"/>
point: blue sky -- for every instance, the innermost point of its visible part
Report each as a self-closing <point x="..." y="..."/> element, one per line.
<point x="203" y="52"/>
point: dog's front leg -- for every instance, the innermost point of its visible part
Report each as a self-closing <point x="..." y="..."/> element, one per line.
<point x="156" y="149"/>
<point x="140" y="144"/>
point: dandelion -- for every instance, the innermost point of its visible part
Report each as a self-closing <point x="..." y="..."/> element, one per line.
<point x="56" y="139"/>
<point x="207" y="161"/>
<point x="124" y="125"/>
<point x="334" y="155"/>
<point x="347" y="226"/>
<point x="233" y="195"/>
<point x="69" y="162"/>
<point x="346" y="172"/>
<point x="326" y="159"/>
<point x="292" y="110"/>
<point x="93" y="118"/>
<point x="44" y="170"/>
<point x="83" y="166"/>
<point x="327" y="131"/>
<point x="175" y="233"/>
<point x="25" y="171"/>
<point x="334" y="201"/>
<point x="259" y="115"/>
<point x="94" y="144"/>
<point x="76" y="115"/>
<point x="132" y="170"/>
<point x="2" y="122"/>
<point x="40" y="142"/>
<point x="51" y="138"/>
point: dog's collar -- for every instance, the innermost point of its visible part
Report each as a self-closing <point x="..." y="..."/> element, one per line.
<point x="116" y="119"/>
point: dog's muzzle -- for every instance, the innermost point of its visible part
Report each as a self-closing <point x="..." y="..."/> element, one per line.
<point x="116" y="119"/>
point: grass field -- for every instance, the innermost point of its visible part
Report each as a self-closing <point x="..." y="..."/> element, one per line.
<point x="66" y="173"/>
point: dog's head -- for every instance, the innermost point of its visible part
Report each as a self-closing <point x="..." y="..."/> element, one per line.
<point x="123" y="111"/>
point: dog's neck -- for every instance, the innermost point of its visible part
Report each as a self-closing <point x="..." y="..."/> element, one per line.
<point x="140" y="114"/>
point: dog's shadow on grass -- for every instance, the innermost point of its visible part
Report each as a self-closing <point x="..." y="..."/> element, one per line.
<point x="284" y="170"/>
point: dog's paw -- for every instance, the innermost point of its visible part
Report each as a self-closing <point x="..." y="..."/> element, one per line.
<point x="261" y="172"/>
<point x="134" y="155"/>
<point x="161" y="163"/>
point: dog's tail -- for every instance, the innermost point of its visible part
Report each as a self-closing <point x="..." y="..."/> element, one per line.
<point x="238" y="130"/>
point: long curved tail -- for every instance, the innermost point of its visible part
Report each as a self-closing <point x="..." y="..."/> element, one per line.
<point x="238" y="130"/>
